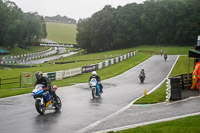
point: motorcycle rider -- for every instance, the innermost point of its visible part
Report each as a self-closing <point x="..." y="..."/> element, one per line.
<point x="94" y="75"/>
<point x="142" y="73"/>
<point x="45" y="81"/>
<point x="165" y="57"/>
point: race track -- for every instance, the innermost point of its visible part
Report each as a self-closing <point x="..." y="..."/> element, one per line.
<point x="18" y="114"/>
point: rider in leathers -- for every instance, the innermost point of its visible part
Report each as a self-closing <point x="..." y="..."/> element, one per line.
<point x="94" y="75"/>
<point x="45" y="81"/>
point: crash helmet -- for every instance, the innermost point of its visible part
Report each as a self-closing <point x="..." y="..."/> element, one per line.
<point x="38" y="75"/>
<point x="94" y="73"/>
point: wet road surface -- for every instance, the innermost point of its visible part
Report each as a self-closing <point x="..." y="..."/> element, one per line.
<point x="18" y="114"/>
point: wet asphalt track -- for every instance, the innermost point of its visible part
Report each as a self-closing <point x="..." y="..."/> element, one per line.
<point x="18" y="114"/>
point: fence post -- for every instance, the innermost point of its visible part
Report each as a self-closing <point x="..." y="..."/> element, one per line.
<point x="20" y="79"/>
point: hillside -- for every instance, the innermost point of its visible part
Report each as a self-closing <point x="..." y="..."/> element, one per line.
<point x="61" y="33"/>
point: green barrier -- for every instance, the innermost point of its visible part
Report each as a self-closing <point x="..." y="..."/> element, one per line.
<point x="103" y="64"/>
<point x="97" y="67"/>
<point x="51" y="76"/>
<point x="109" y="62"/>
<point x="114" y="60"/>
<point x="119" y="59"/>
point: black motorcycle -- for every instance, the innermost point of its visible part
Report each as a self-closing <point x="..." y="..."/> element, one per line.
<point x="142" y="76"/>
<point x="165" y="57"/>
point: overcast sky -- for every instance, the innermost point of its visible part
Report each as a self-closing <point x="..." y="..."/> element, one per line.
<point x="71" y="8"/>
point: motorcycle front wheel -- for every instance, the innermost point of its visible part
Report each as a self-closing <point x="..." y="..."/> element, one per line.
<point x="58" y="104"/>
<point x="39" y="107"/>
<point x="94" y="92"/>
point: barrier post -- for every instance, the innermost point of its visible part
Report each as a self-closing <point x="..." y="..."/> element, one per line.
<point x="20" y="79"/>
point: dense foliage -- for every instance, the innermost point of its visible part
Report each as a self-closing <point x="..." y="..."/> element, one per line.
<point x="18" y="28"/>
<point x="60" y="19"/>
<point x="154" y="22"/>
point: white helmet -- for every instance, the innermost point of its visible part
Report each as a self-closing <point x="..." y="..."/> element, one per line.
<point x="94" y="73"/>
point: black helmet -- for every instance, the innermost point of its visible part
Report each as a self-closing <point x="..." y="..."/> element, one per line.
<point x="38" y="75"/>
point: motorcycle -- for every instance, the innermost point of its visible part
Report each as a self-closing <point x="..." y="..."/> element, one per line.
<point x="44" y="100"/>
<point x="95" y="88"/>
<point x="165" y="57"/>
<point x="142" y="77"/>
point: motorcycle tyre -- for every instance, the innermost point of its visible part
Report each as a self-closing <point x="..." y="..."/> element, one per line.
<point x="58" y="105"/>
<point x="39" y="107"/>
<point x="141" y="80"/>
<point x="94" y="93"/>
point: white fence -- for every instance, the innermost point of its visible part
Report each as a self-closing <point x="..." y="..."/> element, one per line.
<point x="59" y="75"/>
<point x="25" y="57"/>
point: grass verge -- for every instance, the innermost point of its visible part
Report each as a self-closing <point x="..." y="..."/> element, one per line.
<point x="183" y="125"/>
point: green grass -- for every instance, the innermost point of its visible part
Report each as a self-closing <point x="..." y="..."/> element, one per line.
<point x="170" y="50"/>
<point x="154" y="97"/>
<point x="183" y="125"/>
<point x="61" y="33"/>
<point x="159" y="95"/>
<point x="95" y="56"/>
<point x="20" y="51"/>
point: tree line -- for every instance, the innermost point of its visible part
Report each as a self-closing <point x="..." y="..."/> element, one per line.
<point x="60" y="19"/>
<point x="18" y="28"/>
<point x="154" y="22"/>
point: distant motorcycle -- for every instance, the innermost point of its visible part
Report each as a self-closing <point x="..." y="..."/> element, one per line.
<point x="142" y="76"/>
<point x="44" y="101"/>
<point x="95" y="88"/>
<point x="165" y="57"/>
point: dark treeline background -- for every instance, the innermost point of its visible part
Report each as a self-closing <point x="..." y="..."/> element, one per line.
<point x="155" y="22"/>
<point x="18" y="28"/>
<point x="60" y="19"/>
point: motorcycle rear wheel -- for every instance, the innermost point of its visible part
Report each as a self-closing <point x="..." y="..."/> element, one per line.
<point x="141" y="80"/>
<point x="58" y="104"/>
<point x="40" y="108"/>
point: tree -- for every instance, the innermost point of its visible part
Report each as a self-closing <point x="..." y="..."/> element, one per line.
<point x="18" y="28"/>
<point x="172" y="22"/>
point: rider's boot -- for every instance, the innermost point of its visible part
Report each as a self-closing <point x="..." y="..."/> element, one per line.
<point x="101" y="87"/>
